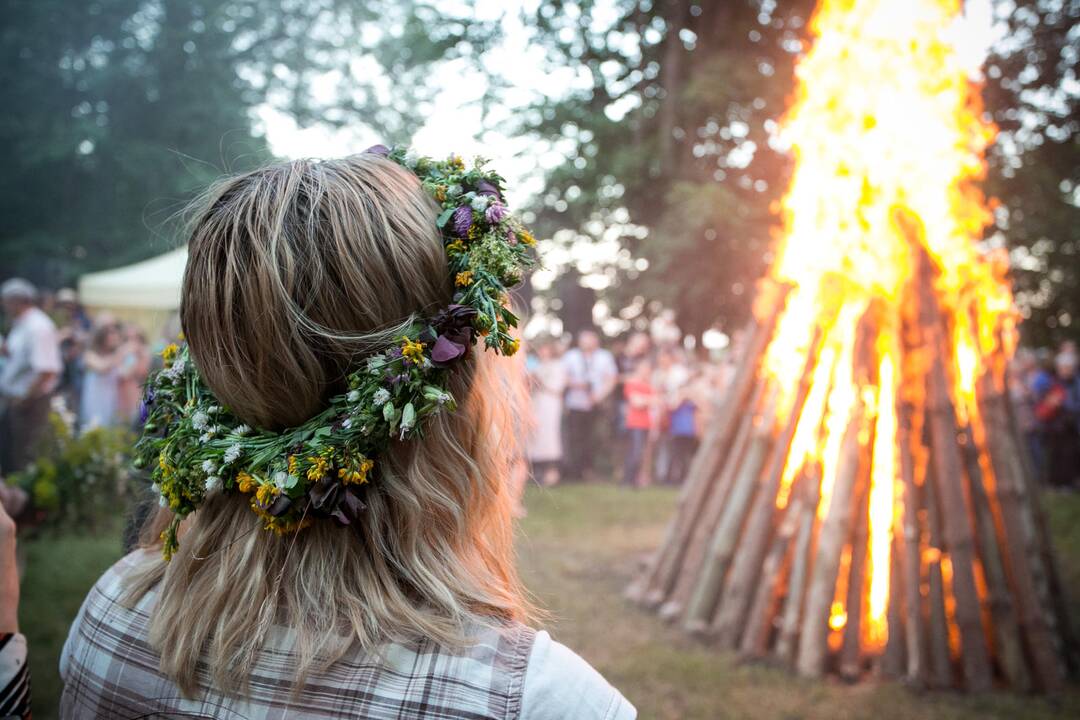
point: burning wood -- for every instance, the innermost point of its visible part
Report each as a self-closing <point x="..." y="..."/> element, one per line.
<point x="861" y="503"/>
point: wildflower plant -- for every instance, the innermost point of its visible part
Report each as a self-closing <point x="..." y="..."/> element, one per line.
<point x="320" y="469"/>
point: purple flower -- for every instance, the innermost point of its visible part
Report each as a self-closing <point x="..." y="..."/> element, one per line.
<point x="511" y="237"/>
<point x="461" y="221"/>
<point x="485" y="188"/>
<point x="455" y="332"/>
<point x="495" y="212"/>
<point x="381" y="150"/>
<point x="446" y="351"/>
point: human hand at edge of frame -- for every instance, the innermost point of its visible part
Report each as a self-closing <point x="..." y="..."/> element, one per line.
<point x="9" y="575"/>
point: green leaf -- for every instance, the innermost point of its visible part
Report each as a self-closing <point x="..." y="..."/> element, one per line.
<point x="444" y="217"/>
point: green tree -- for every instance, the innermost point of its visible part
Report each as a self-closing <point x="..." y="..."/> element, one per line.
<point x="1035" y="165"/>
<point x="669" y="142"/>
<point x="119" y="110"/>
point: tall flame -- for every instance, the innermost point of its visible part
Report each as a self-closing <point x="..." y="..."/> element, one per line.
<point x="887" y="136"/>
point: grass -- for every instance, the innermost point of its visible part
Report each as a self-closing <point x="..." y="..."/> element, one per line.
<point x="579" y="547"/>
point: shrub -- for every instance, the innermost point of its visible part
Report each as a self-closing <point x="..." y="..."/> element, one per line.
<point x="80" y="479"/>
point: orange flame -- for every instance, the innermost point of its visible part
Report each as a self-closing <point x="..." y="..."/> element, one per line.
<point x="887" y="137"/>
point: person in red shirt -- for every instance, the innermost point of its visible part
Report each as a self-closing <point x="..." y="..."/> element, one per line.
<point x="640" y="397"/>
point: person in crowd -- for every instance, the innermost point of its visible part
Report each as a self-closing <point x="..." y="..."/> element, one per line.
<point x="75" y="329"/>
<point x="682" y="427"/>
<point x="547" y="378"/>
<point x="413" y="610"/>
<point x="1057" y="412"/>
<point x="103" y="362"/>
<point x="591" y="375"/>
<point x="671" y="376"/>
<point x="30" y="373"/>
<point x="134" y="366"/>
<point x="640" y="399"/>
<point x="637" y="347"/>
<point x="14" y="671"/>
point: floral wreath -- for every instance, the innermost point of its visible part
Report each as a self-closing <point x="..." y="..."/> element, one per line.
<point x="197" y="447"/>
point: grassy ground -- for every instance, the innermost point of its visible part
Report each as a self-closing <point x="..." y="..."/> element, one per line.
<point x="579" y="547"/>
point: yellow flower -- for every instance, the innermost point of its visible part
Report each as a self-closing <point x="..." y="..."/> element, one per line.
<point x="474" y="232"/>
<point x="412" y="350"/>
<point x="463" y="279"/>
<point x="456" y="162"/>
<point x="319" y="465"/>
<point x="440" y="193"/>
<point x="169" y="352"/>
<point x="526" y="237"/>
<point x="245" y="483"/>
<point x="455" y="247"/>
<point x="513" y="346"/>
<point x="265" y="495"/>
<point x="293" y="463"/>
<point x="358" y="474"/>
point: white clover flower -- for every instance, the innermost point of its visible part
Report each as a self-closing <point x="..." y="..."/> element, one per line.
<point x="381" y="397"/>
<point x="353" y="396"/>
<point x="242" y="430"/>
<point x="453" y="190"/>
<point x="213" y="484"/>
<point x="480" y="202"/>
<point x="346" y="423"/>
<point x="214" y="409"/>
<point x="281" y="479"/>
<point x="206" y="437"/>
<point x="208" y="467"/>
<point x="200" y="420"/>
<point x="411" y="158"/>
<point x="232" y="453"/>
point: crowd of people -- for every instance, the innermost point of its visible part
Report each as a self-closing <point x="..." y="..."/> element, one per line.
<point x="643" y="400"/>
<point x="1046" y="397"/>
<point x="53" y="350"/>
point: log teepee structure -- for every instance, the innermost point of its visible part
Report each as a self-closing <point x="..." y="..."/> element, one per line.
<point x="863" y="502"/>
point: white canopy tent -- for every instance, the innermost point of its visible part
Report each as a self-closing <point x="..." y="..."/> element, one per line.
<point x="146" y="293"/>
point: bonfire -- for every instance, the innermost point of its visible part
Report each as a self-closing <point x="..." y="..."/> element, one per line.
<point x="864" y="503"/>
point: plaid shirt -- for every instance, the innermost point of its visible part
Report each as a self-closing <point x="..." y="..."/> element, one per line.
<point x="110" y="671"/>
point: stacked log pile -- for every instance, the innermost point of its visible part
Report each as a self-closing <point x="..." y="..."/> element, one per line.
<point x="974" y="599"/>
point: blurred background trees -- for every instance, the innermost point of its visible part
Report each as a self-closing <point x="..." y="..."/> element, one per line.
<point x="118" y="110"/>
<point x="1033" y="93"/>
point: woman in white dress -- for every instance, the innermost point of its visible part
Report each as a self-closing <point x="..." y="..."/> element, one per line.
<point x="548" y="382"/>
<point x="100" y="405"/>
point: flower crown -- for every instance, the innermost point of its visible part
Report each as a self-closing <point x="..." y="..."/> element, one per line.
<point x="197" y="447"/>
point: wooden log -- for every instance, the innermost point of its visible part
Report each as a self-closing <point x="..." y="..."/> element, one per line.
<point x="894" y="660"/>
<point x="657" y="582"/>
<point x="956" y="511"/>
<point x="694" y="554"/>
<point x="915" y="629"/>
<point x="1022" y="557"/>
<point x="1006" y="631"/>
<point x="774" y="570"/>
<point x="791" y="619"/>
<point x="940" y="668"/>
<point x="850" y="648"/>
<point x="729" y="622"/>
<point x="703" y="600"/>
<point x="812" y="651"/>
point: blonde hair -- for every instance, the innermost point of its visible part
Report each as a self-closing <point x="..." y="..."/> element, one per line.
<point x="294" y="273"/>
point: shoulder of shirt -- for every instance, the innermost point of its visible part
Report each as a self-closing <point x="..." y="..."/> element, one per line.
<point x="560" y="684"/>
<point x="112" y="582"/>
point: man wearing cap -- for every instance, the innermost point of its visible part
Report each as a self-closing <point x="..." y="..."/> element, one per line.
<point x="29" y="374"/>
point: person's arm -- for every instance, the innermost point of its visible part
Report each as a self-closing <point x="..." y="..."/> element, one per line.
<point x="14" y="673"/>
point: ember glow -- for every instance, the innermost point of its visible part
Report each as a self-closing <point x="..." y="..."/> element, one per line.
<point x="888" y="138"/>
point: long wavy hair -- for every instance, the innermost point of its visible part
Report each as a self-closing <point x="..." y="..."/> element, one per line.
<point x="295" y="272"/>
